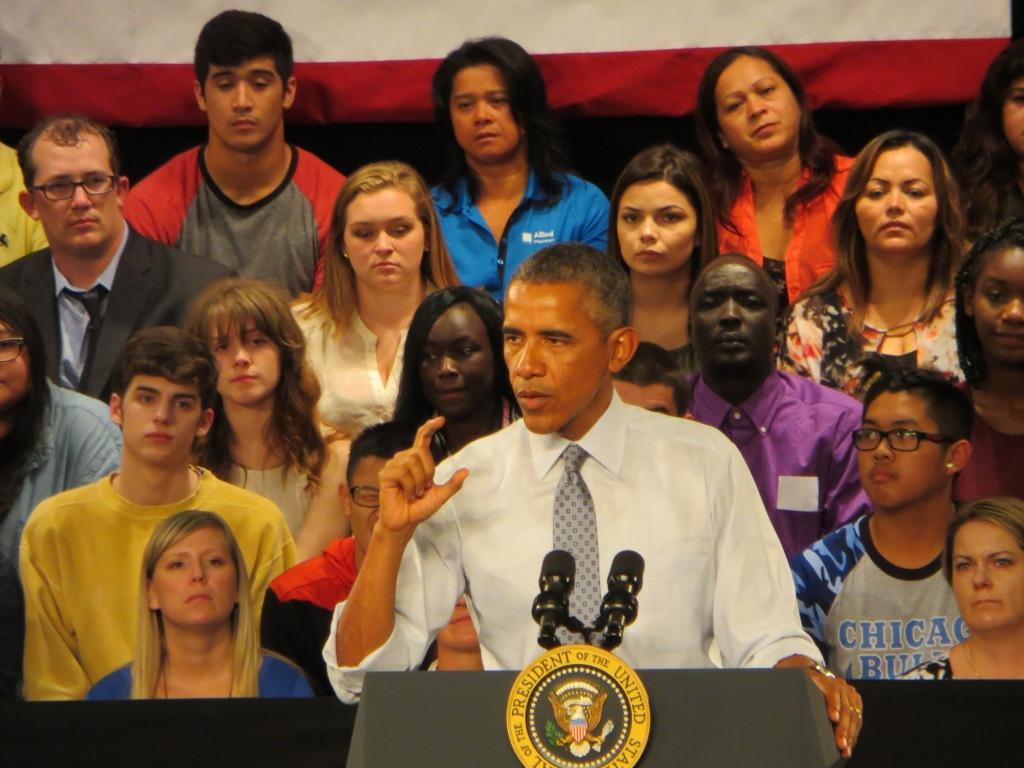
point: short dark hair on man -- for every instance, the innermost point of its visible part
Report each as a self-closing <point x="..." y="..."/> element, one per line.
<point x="947" y="405"/>
<point x="607" y="285"/>
<point x="168" y="353"/>
<point x="382" y="441"/>
<point x="64" y="130"/>
<point x="234" y="37"/>
<point x="652" y="364"/>
<point x="528" y="100"/>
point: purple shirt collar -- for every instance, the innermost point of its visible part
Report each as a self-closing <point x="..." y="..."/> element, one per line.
<point x="760" y="407"/>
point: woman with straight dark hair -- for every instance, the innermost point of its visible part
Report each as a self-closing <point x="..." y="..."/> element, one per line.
<point x="989" y="157"/>
<point x="505" y="192"/>
<point x="990" y="340"/>
<point x="455" y="368"/>
<point x="775" y="180"/>
<point x="51" y="439"/>
<point x="898" y="237"/>
<point x="662" y="232"/>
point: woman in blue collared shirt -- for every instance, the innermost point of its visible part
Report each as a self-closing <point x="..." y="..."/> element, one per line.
<point x="504" y="195"/>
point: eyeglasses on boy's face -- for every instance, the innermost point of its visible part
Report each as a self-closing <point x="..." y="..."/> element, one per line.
<point x="867" y="439"/>
<point x="365" y="496"/>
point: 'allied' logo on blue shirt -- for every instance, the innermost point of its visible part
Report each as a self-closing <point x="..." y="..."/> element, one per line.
<point x="540" y="237"/>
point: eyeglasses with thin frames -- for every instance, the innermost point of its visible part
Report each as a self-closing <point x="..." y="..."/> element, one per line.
<point x="64" y="190"/>
<point x="906" y="440"/>
<point x="10" y="349"/>
<point x="365" y="496"/>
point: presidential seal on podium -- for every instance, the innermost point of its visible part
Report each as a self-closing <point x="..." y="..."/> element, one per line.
<point x="578" y="706"/>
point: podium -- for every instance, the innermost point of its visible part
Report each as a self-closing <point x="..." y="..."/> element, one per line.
<point x="699" y="718"/>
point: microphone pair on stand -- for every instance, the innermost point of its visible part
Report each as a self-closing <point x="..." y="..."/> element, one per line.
<point x="618" y="608"/>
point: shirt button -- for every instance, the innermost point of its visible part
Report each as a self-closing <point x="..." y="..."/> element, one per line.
<point x="764" y="430"/>
<point x="735" y="414"/>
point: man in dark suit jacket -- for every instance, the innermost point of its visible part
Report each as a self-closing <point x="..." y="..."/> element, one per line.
<point x="99" y="281"/>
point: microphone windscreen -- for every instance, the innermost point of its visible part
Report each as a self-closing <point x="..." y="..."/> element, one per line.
<point x="558" y="562"/>
<point x="629" y="564"/>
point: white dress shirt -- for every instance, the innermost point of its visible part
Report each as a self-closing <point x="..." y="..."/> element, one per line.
<point x="353" y="394"/>
<point x="676" y="491"/>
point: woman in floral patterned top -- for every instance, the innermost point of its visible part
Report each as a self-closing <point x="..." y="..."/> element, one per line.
<point x="898" y="236"/>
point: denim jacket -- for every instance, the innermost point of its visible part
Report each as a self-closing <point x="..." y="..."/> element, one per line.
<point x="79" y="445"/>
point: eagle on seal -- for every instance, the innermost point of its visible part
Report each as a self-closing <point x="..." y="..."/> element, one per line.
<point x="578" y="717"/>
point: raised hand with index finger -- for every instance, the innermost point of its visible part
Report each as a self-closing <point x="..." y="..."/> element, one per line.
<point x="408" y="494"/>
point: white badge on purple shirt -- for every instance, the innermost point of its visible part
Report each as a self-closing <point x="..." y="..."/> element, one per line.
<point x="797" y="494"/>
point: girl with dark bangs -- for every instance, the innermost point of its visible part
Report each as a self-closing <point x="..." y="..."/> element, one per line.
<point x="266" y="436"/>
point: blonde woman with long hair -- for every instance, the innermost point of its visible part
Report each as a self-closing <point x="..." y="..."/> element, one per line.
<point x="385" y="254"/>
<point x="196" y="637"/>
<point x="266" y="434"/>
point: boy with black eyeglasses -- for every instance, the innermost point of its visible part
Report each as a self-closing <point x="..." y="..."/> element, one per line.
<point x="871" y="593"/>
<point x="300" y="602"/>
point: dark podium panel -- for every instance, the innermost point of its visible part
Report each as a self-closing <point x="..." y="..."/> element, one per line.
<point x="700" y="718"/>
<point x="253" y="733"/>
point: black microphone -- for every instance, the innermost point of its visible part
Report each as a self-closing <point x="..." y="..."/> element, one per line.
<point x="619" y="607"/>
<point x="551" y="606"/>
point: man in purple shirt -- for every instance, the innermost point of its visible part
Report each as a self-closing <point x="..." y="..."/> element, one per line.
<point x="794" y="434"/>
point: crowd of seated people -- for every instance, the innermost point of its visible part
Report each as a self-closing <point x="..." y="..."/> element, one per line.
<point x="220" y="379"/>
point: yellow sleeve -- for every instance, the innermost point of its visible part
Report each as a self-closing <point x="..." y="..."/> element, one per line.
<point x="280" y="550"/>
<point x="52" y="670"/>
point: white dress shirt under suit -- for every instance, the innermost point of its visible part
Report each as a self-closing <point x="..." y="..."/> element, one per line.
<point x="676" y="491"/>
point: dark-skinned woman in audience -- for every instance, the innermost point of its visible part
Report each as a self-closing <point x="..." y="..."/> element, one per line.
<point x="454" y="367"/>
<point x="990" y="339"/>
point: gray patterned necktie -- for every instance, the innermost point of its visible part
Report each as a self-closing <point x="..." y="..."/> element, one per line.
<point x="575" y="531"/>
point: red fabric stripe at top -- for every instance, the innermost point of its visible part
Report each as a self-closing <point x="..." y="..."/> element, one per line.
<point x="838" y="75"/>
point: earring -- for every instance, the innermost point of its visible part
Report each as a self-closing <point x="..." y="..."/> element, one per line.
<point x="950" y="465"/>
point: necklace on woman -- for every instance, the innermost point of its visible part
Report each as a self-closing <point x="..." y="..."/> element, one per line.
<point x="969" y="658"/>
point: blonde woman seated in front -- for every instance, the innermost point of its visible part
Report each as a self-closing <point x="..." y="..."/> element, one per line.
<point x="266" y="434"/>
<point x="984" y="562"/>
<point x="196" y="638"/>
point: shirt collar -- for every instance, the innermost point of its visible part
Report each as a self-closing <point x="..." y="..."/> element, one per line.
<point x="463" y="201"/>
<point x="605" y="442"/>
<point x="106" y="278"/>
<point x="760" y="407"/>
